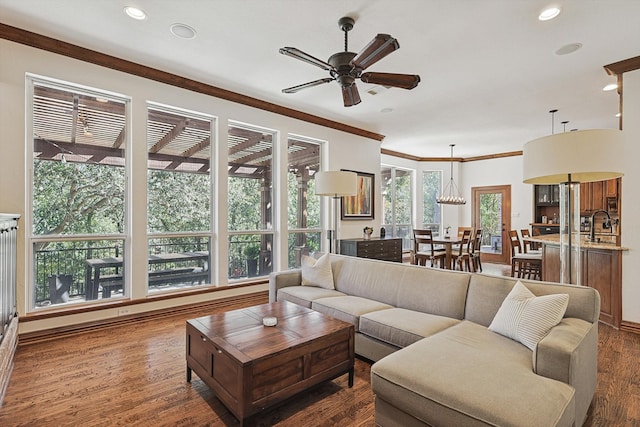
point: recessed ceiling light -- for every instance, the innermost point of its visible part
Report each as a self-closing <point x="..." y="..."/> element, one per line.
<point x="610" y="86"/>
<point x="183" y="31"/>
<point x="135" y="13"/>
<point x="569" y="48"/>
<point x="549" y="13"/>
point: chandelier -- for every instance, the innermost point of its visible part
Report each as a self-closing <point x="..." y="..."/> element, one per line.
<point x="451" y="195"/>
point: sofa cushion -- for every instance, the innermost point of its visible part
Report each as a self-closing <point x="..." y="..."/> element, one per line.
<point x="487" y="292"/>
<point x="468" y="375"/>
<point x="401" y="327"/>
<point x="304" y="295"/>
<point x="526" y="318"/>
<point x="347" y="308"/>
<point x="317" y="272"/>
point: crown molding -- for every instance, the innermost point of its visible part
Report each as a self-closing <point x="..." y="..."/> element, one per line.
<point x="448" y="159"/>
<point x="59" y="47"/>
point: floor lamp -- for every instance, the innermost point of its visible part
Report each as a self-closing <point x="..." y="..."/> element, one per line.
<point x="568" y="159"/>
<point x="335" y="184"/>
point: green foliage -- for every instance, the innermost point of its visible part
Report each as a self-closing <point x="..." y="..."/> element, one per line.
<point x="252" y="251"/>
<point x="77" y="198"/>
<point x="400" y="213"/>
<point x="244" y="205"/>
<point x="312" y="213"/>
<point x="490" y="215"/>
<point x="431" y="185"/>
<point x="178" y="201"/>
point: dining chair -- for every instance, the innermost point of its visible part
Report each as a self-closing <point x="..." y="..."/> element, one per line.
<point x="423" y="249"/>
<point x="523" y="264"/>
<point x="461" y="230"/>
<point x="475" y="251"/>
<point x="463" y="260"/>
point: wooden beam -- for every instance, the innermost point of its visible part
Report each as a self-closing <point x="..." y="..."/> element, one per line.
<point x="620" y="67"/>
<point x="170" y="136"/>
<point x="59" y="47"/>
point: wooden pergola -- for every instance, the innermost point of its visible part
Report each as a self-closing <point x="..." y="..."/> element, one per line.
<point x="84" y="128"/>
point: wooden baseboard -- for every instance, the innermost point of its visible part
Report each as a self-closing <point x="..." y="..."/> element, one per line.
<point x="7" y="352"/>
<point x="630" y="327"/>
<point x="70" y="330"/>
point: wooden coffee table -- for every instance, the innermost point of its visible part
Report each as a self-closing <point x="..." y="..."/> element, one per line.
<point x="251" y="367"/>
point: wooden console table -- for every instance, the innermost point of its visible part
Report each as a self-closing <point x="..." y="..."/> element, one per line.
<point x="384" y="249"/>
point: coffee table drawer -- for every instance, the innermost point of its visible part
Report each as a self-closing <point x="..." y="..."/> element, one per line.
<point x="199" y="351"/>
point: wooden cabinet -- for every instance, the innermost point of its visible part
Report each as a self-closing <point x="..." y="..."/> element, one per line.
<point x="599" y="195"/>
<point x="546" y="203"/>
<point x="539" y="229"/>
<point x="383" y="249"/>
<point x="601" y="269"/>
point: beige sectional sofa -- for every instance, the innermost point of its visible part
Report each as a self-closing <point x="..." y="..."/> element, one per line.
<point x="436" y="361"/>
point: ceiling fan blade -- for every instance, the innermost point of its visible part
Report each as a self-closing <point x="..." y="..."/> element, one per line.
<point x="381" y="46"/>
<point x="295" y="89"/>
<point x="404" y="81"/>
<point x="350" y="95"/>
<point x="302" y="56"/>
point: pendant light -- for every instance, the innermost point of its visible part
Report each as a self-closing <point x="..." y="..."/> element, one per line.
<point x="451" y="195"/>
<point x="568" y="159"/>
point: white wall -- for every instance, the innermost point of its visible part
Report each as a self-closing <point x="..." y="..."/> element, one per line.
<point x="342" y="150"/>
<point x="500" y="171"/>
<point x="630" y="200"/>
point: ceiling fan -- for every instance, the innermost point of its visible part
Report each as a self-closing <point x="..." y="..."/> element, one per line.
<point x="345" y="67"/>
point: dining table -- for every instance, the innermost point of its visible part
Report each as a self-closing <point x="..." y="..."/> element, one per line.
<point x="448" y="243"/>
<point x="95" y="265"/>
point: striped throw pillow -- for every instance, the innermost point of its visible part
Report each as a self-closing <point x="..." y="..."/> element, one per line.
<point x="527" y="318"/>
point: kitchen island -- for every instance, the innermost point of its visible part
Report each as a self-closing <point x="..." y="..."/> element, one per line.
<point x="601" y="268"/>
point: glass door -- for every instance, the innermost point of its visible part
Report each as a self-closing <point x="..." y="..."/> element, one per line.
<point x="492" y="213"/>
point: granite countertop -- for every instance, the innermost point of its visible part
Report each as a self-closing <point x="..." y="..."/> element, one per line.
<point x="554" y="239"/>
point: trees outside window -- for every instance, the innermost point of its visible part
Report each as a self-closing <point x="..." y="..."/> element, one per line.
<point x="303" y="207"/>
<point x="397" y="202"/>
<point x="250" y="200"/>
<point x="78" y="193"/>
<point x="431" y="210"/>
<point x="179" y="197"/>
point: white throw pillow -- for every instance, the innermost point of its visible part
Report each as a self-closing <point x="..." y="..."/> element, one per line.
<point x="527" y="318"/>
<point x="317" y="272"/>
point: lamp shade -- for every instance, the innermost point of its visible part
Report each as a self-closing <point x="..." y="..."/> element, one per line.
<point x="336" y="183"/>
<point x="588" y="155"/>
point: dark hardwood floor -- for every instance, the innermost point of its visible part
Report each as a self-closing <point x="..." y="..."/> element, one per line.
<point x="134" y="375"/>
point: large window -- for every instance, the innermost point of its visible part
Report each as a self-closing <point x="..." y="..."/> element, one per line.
<point x="396" y="190"/>
<point x="250" y="201"/>
<point x="179" y="194"/>
<point x="303" y="216"/>
<point x="431" y="210"/>
<point x="78" y="196"/>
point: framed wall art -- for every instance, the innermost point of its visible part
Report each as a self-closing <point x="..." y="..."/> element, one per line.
<point x="360" y="206"/>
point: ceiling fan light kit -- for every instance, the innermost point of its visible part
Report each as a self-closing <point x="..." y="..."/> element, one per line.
<point x="346" y="67"/>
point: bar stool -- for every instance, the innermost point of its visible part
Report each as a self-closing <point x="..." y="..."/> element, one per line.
<point x="528" y="245"/>
<point x="524" y="264"/>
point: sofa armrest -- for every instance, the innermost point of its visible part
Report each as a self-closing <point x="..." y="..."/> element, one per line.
<point x="282" y="279"/>
<point x="569" y="353"/>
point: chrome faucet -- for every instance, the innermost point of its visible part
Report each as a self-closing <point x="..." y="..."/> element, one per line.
<point x="592" y="232"/>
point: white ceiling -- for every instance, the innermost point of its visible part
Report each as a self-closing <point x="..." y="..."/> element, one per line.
<point x="489" y="74"/>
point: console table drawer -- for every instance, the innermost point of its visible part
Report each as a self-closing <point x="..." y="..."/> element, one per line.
<point x="383" y="249"/>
